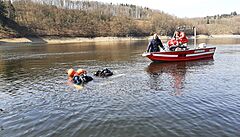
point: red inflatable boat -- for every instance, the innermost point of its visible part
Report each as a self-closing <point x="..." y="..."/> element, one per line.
<point x="192" y="54"/>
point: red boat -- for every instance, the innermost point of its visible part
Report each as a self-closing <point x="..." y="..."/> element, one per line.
<point x="199" y="52"/>
<point x="186" y="55"/>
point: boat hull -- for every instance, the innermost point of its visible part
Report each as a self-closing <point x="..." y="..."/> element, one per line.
<point x="194" y="54"/>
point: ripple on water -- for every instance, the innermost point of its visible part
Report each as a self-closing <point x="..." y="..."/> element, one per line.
<point x="198" y="98"/>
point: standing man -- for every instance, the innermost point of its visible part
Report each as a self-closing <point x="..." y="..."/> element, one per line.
<point x="154" y="44"/>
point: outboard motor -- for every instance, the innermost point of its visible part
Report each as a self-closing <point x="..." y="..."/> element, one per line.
<point x="202" y="45"/>
<point x="103" y="73"/>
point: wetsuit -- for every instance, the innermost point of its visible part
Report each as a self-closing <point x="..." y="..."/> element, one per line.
<point x="81" y="79"/>
<point x="104" y="73"/>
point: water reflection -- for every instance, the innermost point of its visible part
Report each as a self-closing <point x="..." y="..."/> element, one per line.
<point x="24" y="65"/>
<point x="163" y="74"/>
<point x="219" y="41"/>
<point x="34" y="101"/>
<point x="42" y="57"/>
<point x="172" y="74"/>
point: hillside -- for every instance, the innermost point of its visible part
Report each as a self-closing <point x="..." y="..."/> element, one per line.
<point x="92" y="19"/>
<point x="217" y="25"/>
<point x="68" y="18"/>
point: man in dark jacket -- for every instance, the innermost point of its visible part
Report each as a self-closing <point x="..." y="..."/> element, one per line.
<point x="154" y="44"/>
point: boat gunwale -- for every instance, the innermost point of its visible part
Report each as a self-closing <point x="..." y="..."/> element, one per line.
<point x="183" y="51"/>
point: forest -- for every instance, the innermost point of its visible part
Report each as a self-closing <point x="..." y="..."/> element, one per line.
<point x="68" y="18"/>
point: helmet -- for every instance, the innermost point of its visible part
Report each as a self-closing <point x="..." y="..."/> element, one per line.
<point x="81" y="71"/>
<point x="71" y="72"/>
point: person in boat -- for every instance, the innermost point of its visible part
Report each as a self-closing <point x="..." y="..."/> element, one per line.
<point x="103" y="73"/>
<point x="154" y="44"/>
<point x="183" y="40"/>
<point x="78" y="77"/>
<point x="179" y="40"/>
<point x="173" y="43"/>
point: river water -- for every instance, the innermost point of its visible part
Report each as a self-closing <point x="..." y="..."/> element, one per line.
<point x="142" y="99"/>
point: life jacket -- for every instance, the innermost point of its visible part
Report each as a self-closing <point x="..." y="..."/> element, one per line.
<point x="172" y="42"/>
<point x="182" y="38"/>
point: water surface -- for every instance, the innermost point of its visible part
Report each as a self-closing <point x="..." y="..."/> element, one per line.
<point x="196" y="98"/>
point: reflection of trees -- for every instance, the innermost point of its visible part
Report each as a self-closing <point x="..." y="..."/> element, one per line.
<point x="11" y="68"/>
<point x="172" y="74"/>
<point x="111" y="51"/>
<point x="42" y="57"/>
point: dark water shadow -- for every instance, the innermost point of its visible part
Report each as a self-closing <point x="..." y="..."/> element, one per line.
<point x="23" y="31"/>
<point x="175" y="71"/>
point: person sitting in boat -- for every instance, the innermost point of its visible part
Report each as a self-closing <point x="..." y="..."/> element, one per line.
<point x="173" y="43"/>
<point x="179" y="40"/>
<point x="154" y="44"/>
<point x="183" y="40"/>
<point x="103" y="73"/>
<point x="78" y="77"/>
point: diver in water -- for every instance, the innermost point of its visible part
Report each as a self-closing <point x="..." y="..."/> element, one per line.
<point x="103" y="73"/>
<point x="78" y="77"/>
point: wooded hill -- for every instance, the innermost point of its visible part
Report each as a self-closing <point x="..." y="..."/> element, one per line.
<point x="93" y="19"/>
<point x="218" y="24"/>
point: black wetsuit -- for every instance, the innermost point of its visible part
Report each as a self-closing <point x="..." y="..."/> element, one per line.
<point x="81" y="79"/>
<point x="103" y="73"/>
